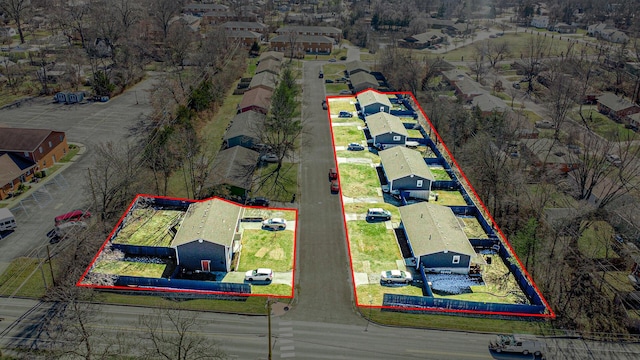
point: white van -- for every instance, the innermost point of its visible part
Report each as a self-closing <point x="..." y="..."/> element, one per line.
<point x="7" y="220"/>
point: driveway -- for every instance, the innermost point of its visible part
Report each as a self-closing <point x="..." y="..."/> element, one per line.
<point x="86" y="124"/>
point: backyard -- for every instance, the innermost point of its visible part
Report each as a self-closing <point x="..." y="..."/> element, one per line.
<point x="129" y="268"/>
<point x="343" y="135"/>
<point x="595" y="241"/>
<point x="266" y="249"/>
<point x="149" y="227"/>
<point x="359" y="181"/>
<point x="472" y="227"/>
<point x="372" y="294"/>
<point x="373" y="247"/>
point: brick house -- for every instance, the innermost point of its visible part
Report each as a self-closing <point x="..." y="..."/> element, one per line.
<point x="246" y="26"/>
<point x="616" y="107"/>
<point x="43" y="147"/>
<point x="328" y="31"/>
<point x="302" y="44"/>
<point x="245" y="37"/>
<point x="14" y="170"/>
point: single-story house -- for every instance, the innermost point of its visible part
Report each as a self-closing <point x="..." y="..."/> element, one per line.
<point x="436" y="239"/>
<point x="234" y="167"/>
<point x="245" y="25"/>
<point x="452" y="76"/>
<point x="564" y="28"/>
<point x="634" y="120"/>
<point x="406" y="170"/>
<point x="212" y="18"/>
<point x="488" y="104"/>
<point x="614" y="36"/>
<point x="362" y="81"/>
<point x="246" y="37"/>
<point x="302" y="44"/>
<point x="549" y="153"/>
<point x="422" y="40"/>
<point x="372" y="101"/>
<point x="275" y="55"/>
<point x="208" y="236"/>
<point x="7" y="31"/>
<point x="43" y="147"/>
<point x="328" y="31"/>
<point x="257" y="99"/>
<point x="466" y="89"/>
<point x="198" y="9"/>
<point x="356" y="66"/>
<point x="616" y="107"/>
<point x="245" y="130"/>
<point x="386" y="129"/>
<point x="540" y="22"/>
<point x="269" y="65"/>
<point x="14" y="170"/>
<point x="596" y="29"/>
<point x="265" y="80"/>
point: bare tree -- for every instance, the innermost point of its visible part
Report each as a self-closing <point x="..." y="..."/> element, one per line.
<point x="174" y="336"/>
<point x="560" y="98"/>
<point x="477" y="65"/>
<point x="533" y="54"/>
<point x="496" y="51"/>
<point x="162" y="13"/>
<point x="18" y="11"/>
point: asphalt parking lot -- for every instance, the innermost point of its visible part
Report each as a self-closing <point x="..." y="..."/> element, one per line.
<point x="85" y="124"/>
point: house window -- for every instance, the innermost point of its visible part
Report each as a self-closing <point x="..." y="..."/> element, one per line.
<point x="419" y="183"/>
<point x="40" y="149"/>
<point x="50" y="144"/>
<point x="396" y="138"/>
<point x="456" y="259"/>
<point x="381" y="108"/>
<point x="26" y="154"/>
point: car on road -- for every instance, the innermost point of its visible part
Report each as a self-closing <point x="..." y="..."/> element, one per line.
<point x="320" y="74"/>
<point x="258" y="201"/>
<point x="261" y="274"/>
<point x="544" y="124"/>
<point x="332" y="60"/>
<point x="355" y="147"/>
<point x="395" y="277"/>
<point x="324" y="104"/>
<point x="328" y="81"/>
<point x="270" y="158"/>
<point x="333" y="174"/>
<point x="345" y="114"/>
<point x="378" y="214"/>
<point x="335" y="187"/>
<point x="345" y="92"/>
<point x="614" y="159"/>
<point x="274" y="224"/>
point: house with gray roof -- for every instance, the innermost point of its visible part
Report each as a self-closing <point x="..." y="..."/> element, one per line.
<point x="245" y="25"/>
<point x="488" y="104"/>
<point x="362" y="81"/>
<point x="436" y="239"/>
<point x="549" y="153"/>
<point x="246" y="37"/>
<point x="269" y="65"/>
<point x="208" y="236"/>
<point x="300" y="45"/>
<point x="422" y="40"/>
<point x="466" y="89"/>
<point x="234" y="168"/>
<point x="245" y="130"/>
<point x="406" y="171"/>
<point x="265" y="80"/>
<point x="615" y="107"/>
<point x="386" y="130"/>
<point x="275" y="55"/>
<point x="371" y="102"/>
<point x="328" y="31"/>
<point x="356" y="66"/>
<point x="453" y="75"/>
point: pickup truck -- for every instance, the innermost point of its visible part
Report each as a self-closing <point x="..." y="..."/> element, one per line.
<point x="517" y="344"/>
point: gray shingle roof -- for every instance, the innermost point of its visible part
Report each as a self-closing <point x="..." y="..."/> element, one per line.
<point x="354" y="65"/>
<point x="383" y="123"/>
<point x="315" y="39"/>
<point x="433" y="229"/>
<point x="369" y="97"/>
<point x="235" y="167"/>
<point x="248" y="123"/>
<point x="363" y="78"/>
<point x="265" y="79"/>
<point x="211" y="220"/>
<point x="614" y="102"/>
<point x="488" y="102"/>
<point x="400" y="162"/>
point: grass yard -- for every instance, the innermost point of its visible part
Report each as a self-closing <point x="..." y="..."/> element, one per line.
<point x="362" y="208"/>
<point x="372" y="294"/>
<point x="266" y="213"/>
<point x="129" y="268"/>
<point x="426" y="152"/>
<point x="342" y="104"/>
<point x="73" y="150"/>
<point x="604" y="126"/>
<point x="595" y="241"/>
<point x="335" y="88"/>
<point x="266" y="249"/>
<point x="365" y="154"/>
<point x="373" y="247"/>
<point x="439" y="173"/>
<point x="415" y="133"/>
<point x="23" y="278"/>
<point x="343" y="135"/>
<point x="358" y="181"/>
<point x="271" y="289"/>
<point x="450" y="198"/>
<point x="288" y="176"/>
<point x="472" y="227"/>
<point x="149" y="227"/>
<point x="333" y="70"/>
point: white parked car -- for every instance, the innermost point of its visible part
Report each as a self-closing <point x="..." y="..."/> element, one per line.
<point x="259" y="275"/>
<point x="395" y="277"/>
<point x="270" y="158"/>
<point x="614" y="159"/>
<point x="274" y="224"/>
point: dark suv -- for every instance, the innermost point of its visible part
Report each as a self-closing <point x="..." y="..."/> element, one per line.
<point x="258" y="201"/>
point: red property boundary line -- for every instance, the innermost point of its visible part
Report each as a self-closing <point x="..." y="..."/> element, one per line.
<point x="550" y="315"/>
<point x="185" y="291"/>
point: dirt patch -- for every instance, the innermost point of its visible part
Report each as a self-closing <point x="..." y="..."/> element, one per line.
<point x="276" y="254"/>
<point x="261" y="252"/>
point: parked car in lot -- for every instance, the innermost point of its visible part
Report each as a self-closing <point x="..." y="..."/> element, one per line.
<point x="258" y="201"/>
<point x="355" y="147"/>
<point x="614" y="159"/>
<point x="270" y="158"/>
<point x="262" y="274"/>
<point x="335" y="187"/>
<point x="544" y="124"/>
<point x="274" y="224"/>
<point x="378" y="214"/>
<point x="333" y="174"/>
<point x="75" y="215"/>
<point x="345" y="114"/>
<point x="395" y="277"/>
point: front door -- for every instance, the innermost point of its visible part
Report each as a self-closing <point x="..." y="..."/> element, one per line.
<point x="205" y="265"/>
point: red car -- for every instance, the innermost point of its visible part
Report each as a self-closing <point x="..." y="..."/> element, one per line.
<point x="333" y="174"/>
<point x="75" y="215"/>
<point x="335" y="188"/>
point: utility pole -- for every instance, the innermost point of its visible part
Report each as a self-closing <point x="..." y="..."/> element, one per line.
<point x="269" y="324"/>
<point x="53" y="280"/>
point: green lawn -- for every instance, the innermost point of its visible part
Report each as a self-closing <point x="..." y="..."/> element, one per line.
<point x="73" y="150"/>
<point x="372" y="294"/>
<point x="358" y="181"/>
<point x="361" y="208"/>
<point x="604" y="126"/>
<point x="129" y="268"/>
<point x="347" y="134"/>
<point x="595" y="241"/>
<point x="271" y="188"/>
<point x="450" y="198"/>
<point x="366" y="154"/>
<point x="335" y="88"/>
<point x="342" y="104"/>
<point x="472" y="228"/>
<point x="266" y="249"/>
<point x="415" y="133"/>
<point x="23" y="273"/>
<point x="439" y="173"/>
<point x="289" y="215"/>
<point x="149" y="227"/>
<point x="373" y="247"/>
<point x="271" y="289"/>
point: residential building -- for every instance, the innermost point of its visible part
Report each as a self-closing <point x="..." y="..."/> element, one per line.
<point x="549" y="154"/>
<point x="386" y="129"/>
<point x="41" y="146"/>
<point x="540" y="22"/>
<point x="371" y="102"/>
<point x="245" y="130"/>
<point x="362" y="81"/>
<point x="299" y="45"/>
<point x="257" y="99"/>
<point x="615" y="107"/>
<point x="406" y="171"/>
<point x="234" y="168"/>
